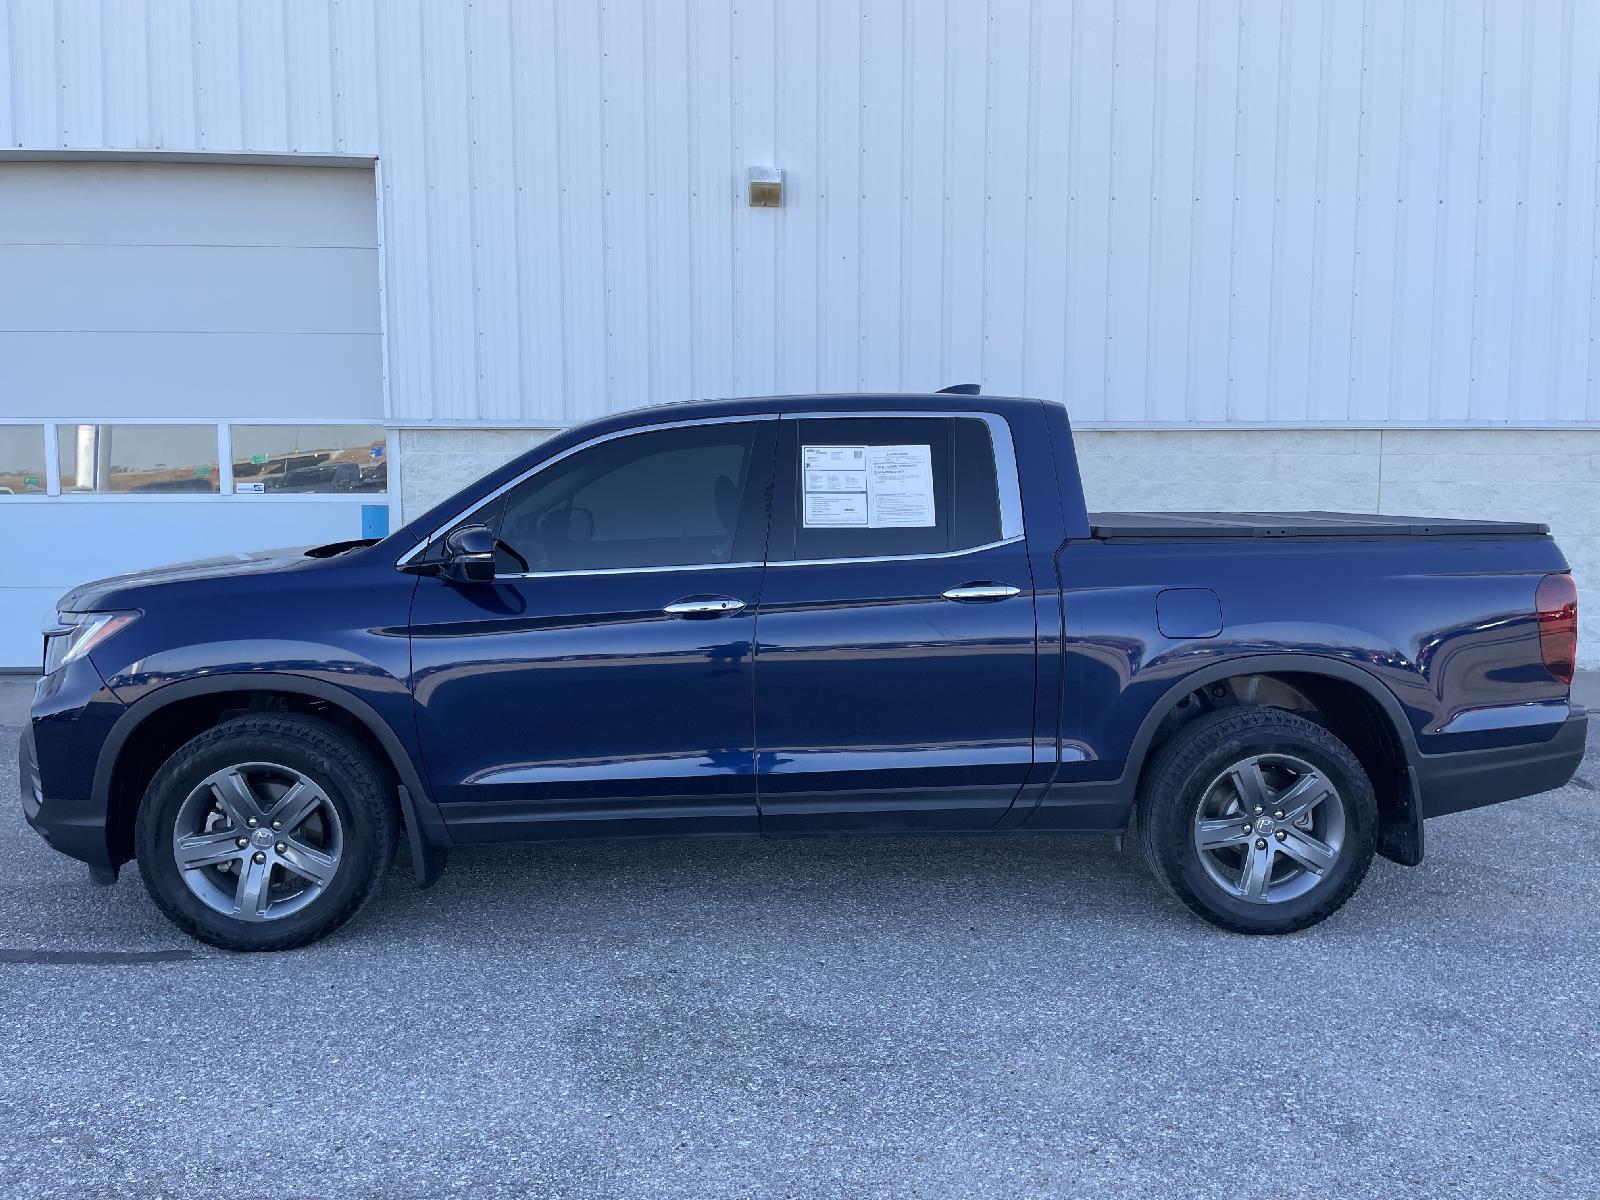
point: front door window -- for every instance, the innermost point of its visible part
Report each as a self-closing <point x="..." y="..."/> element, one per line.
<point x="662" y="498"/>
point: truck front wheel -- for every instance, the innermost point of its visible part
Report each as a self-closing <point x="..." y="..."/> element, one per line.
<point x="266" y="832"/>
<point x="1259" y="820"/>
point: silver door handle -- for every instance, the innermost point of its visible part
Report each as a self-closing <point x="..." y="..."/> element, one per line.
<point x="705" y="606"/>
<point x="982" y="591"/>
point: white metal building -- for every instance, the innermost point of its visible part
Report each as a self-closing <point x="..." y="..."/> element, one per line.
<point x="265" y="265"/>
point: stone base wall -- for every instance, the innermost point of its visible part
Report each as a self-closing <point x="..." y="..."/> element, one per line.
<point x="1510" y="474"/>
<point x="433" y="463"/>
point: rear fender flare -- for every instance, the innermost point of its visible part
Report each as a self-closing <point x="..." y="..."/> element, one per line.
<point x="1268" y="664"/>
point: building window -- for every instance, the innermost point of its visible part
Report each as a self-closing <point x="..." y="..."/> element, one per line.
<point x="282" y="459"/>
<point x="22" y="460"/>
<point x="138" y="459"/>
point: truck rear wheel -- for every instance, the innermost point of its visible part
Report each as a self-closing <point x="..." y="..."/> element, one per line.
<point x="1258" y="820"/>
<point x="266" y="832"/>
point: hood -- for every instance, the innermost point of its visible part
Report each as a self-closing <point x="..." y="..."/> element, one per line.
<point x="102" y="594"/>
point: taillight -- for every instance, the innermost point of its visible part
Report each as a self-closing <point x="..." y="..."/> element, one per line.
<point x="1557" y="602"/>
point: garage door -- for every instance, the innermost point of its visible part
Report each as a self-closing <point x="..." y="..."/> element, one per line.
<point x="190" y="364"/>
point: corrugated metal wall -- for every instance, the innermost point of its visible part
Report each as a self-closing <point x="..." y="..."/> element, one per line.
<point x="1162" y="211"/>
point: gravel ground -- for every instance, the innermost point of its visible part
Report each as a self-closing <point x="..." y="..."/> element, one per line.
<point x="884" y="1017"/>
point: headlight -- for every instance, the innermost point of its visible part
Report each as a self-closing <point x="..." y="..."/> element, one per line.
<point x="72" y="635"/>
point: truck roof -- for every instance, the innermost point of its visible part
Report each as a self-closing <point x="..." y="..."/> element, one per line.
<point x="947" y="401"/>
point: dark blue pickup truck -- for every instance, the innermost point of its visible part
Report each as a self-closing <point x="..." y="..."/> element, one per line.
<point x="817" y="614"/>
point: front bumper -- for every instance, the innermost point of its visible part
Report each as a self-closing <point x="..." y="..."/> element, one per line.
<point x="72" y="713"/>
<point x="74" y="827"/>
<point x="1472" y="778"/>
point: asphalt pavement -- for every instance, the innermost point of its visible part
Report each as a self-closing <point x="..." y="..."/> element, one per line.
<point x="907" y="1017"/>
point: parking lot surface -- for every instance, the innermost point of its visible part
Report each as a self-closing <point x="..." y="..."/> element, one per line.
<point x="880" y="1017"/>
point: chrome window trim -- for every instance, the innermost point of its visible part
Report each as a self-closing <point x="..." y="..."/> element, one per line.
<point x="568" y="453"/>
<point x="1007" y="483"/>
<point x="791" y="562"/>
<point x="728" y="566"/>
<point x="877" y="558"/>
<point x="1007" y="478"/>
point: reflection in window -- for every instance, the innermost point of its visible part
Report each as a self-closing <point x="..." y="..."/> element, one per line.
<point x="21" y="460"/>
<point x="138" y="459"/>
<point x="309" y="458"/>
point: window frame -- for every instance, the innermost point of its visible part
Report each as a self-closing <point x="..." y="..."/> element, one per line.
<point x="421" y="549"/>
<point x="754" y="471"/>
<point x="1008" y="483"/>
<point x="1002" y="445"/>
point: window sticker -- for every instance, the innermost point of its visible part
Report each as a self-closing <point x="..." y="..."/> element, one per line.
<point x="868" y="487"/>
<point x="835" y="486"/>
<point x="829" y="510"/>
<point x="899" y="487"/>
<point x="836" y="481"/>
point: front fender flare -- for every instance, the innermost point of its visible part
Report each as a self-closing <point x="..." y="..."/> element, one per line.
<point x="425" y="825"/>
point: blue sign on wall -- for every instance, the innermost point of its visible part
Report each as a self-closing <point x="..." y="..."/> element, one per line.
<point x="374" y="520"/>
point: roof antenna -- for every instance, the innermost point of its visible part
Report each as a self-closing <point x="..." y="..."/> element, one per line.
<point x="960" y="389"/>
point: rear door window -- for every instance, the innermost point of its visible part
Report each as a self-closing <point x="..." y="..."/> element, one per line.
<point x="871" y="487"/>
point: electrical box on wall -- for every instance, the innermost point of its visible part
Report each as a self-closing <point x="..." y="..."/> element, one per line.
<point x="766" y="187"/>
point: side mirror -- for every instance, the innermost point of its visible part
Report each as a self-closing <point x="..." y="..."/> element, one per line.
<point x="469" y="554"/>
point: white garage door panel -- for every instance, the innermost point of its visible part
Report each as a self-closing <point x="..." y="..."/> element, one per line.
<point x="22" y="610"/>
<point x="172" y="292"/>
<point x="188" y="289"/>
<point x="50" y="376"/>
<point x="73" y="540"/>
<point x="174" y="204"/>
<point x="76" y="538"/>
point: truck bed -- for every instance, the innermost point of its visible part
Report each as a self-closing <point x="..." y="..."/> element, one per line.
<point x="1211" y="526"/>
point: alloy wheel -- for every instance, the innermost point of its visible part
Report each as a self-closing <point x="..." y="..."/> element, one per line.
<point x="257" y="841"/>
<point x="1269" y="828"/>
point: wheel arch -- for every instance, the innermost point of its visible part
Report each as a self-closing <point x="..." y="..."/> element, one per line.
<point x="1375" y="728"/>
<point x="1279" y="665"/>
<point x="425" y="826"/>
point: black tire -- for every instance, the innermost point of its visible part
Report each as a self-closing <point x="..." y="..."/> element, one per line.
<point x="1176" y="784"/>
<point x="349" y="776"/>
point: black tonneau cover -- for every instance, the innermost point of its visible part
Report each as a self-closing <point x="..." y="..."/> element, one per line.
<point x="1167" y="526"/>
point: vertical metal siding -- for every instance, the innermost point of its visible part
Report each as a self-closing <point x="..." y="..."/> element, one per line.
<point x="1161" y="211"/>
